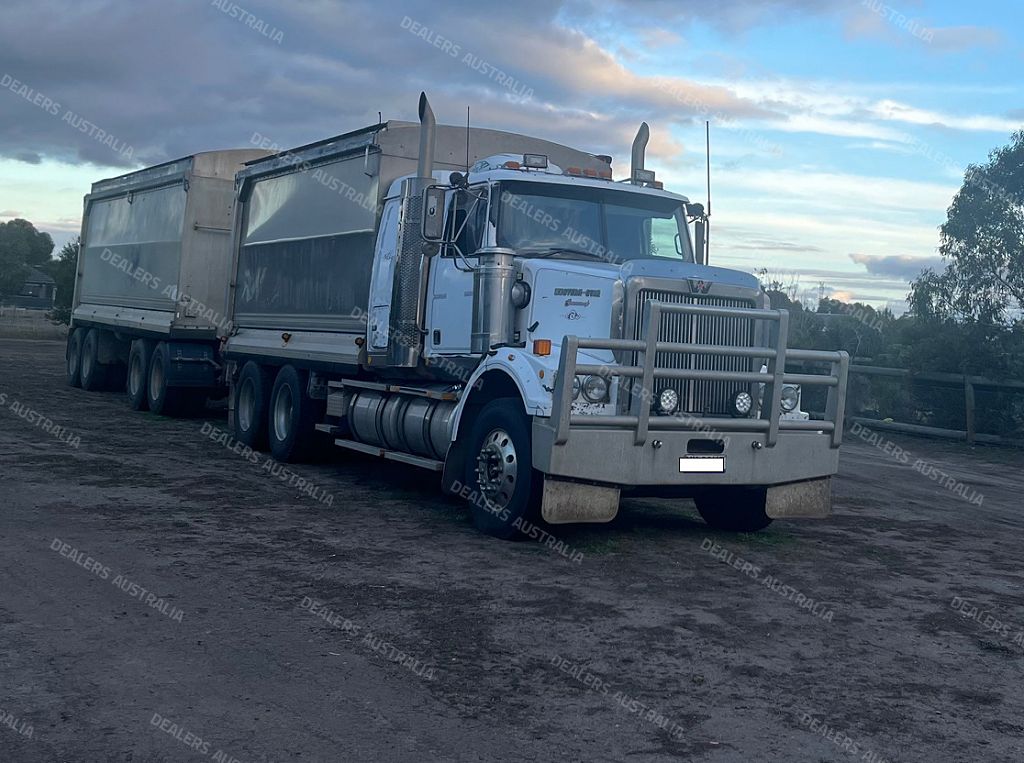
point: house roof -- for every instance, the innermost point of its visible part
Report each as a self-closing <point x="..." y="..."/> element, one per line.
<point x="38" y="276"/>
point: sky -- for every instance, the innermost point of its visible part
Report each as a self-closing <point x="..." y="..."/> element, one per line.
<point x="840" y="129"/>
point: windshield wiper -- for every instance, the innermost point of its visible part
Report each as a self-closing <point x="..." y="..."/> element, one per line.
<point x="543" y="253"/>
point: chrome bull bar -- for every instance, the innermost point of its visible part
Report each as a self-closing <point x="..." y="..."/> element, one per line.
<point x="774" y="378"/>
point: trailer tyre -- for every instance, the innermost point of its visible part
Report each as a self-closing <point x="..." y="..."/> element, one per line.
<point x="252" y="401"/>
<point x="504" y="489"/>
<point x="291" y="423"/>
<point x="73" y="355"/>
<point x="137" y="380"/>
<point x="93" y="374"/>
<point x="162" y="399"/>
<point x="734" y="509"/>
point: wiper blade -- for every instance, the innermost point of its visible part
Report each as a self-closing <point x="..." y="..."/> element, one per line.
<point x="542" y="253"/>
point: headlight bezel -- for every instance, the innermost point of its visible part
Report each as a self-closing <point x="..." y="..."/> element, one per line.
<point x="588" y="383"/>
<point x="793" y="397"/>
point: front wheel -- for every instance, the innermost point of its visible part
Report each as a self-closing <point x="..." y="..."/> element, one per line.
<point x="734" y="509"/>
<point x="504" y="491"/>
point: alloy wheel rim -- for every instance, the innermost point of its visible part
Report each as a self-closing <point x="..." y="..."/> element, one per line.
<point x="497" y="468"/>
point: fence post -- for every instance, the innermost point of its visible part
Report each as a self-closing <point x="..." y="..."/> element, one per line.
<point x="969" y="409"/>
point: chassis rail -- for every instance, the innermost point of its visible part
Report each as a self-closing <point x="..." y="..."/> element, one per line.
<point x="639" y="417"/>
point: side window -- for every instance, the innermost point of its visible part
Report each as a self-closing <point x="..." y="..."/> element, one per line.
<point x="471" y="217"/>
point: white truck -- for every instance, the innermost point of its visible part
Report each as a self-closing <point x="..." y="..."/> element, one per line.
<point x="497" y="309"/>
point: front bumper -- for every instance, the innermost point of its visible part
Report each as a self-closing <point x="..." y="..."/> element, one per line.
<point x="610" y="456"/>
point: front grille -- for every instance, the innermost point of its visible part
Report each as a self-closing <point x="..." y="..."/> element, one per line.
<point x="699" y="396"/>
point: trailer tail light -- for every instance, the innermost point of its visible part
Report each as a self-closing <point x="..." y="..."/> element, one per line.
<point x="542" y="347"/>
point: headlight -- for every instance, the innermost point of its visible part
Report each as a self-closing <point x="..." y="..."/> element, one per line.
<point x="595" y="389"/>
<point x="790" y="398"/>
<point x="577" y="385"/>
<point x="520" y="294"/>
<point x="668" y="401"/>
<point x="742" y="403"/>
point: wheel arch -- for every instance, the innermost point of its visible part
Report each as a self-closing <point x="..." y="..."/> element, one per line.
<point x="491" y="384"/>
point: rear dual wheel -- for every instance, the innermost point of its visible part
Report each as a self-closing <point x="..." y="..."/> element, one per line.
<point x="165" y="400"/>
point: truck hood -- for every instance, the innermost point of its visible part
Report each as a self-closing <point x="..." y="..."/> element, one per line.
<point x="652" y="268"/>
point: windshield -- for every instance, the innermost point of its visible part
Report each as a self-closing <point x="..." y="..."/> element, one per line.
<point x="608" y="224"/>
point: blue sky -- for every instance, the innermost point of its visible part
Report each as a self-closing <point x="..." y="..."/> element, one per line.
<point x="840" y="128"/>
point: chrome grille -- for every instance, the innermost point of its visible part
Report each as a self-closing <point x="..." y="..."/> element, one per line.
<point x="698" y="396"/>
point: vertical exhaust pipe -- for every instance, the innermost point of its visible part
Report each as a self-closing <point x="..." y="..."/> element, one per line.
<point x="639" y="149"/>
<point x="428" y="129"/>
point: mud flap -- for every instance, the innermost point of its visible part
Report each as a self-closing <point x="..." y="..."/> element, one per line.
<point x="565" y="502"/>
<point x="810" y="498"/>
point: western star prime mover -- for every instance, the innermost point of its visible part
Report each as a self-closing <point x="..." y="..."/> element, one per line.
<point x="497" y="309"/>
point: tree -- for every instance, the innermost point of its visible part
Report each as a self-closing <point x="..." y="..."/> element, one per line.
<point x="62" y="271"/>
<point x="21" y="247"/>
<point x="982" y="243"/>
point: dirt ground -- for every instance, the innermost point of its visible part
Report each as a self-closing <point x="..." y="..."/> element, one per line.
<point x="166" y="599"/>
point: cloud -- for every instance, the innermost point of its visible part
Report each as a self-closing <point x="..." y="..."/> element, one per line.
<point x="10" y="213"/>
<point x="761" y="244"/>
<point x="955" y="39"/>
<point x="897" y="265"/>
<point x="29" y="157"/>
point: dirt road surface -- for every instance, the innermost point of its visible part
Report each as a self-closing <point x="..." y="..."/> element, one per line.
<point x="165" y="599"/>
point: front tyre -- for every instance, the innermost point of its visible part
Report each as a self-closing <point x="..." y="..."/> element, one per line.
<point x="734" y="509"/>
<point x="504" y="489"/>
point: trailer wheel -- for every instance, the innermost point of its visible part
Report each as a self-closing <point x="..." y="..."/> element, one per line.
<point x="73" y="355"/>
<point x="161" y="399"/>
<point x="504" y="489"/>
<point x="93" y="374"/>
<point x="137" y="380"/>
<point x="734" y="509"/>
<point x="293" y="415"/>
<point x="252" y="400"/>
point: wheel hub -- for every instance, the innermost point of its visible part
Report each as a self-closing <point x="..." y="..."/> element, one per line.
<point x="497" y="468"/>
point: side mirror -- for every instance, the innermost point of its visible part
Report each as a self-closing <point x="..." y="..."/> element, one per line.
<point x="432" y="225"/>
<point x="699" y="240"/>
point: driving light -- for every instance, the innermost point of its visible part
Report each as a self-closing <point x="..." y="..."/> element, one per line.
<point x="790" y="398"/>
<point x="595" y="389"/>
<point x="668" y="401"/>
<point x="577" y="385"/>
<point x="643" y="176"/>
<point x="535" y="161"/>
<point x="742" y="403"/>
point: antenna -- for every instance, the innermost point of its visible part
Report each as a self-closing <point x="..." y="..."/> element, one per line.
<point x="707" y="146"/>
<point x="467" y="141"/>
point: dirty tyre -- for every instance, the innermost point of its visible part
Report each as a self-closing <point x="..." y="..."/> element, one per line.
<point x="292" y="417"/>
<point x="734" y="509"/>
<point x="93" y="374"/>
<point x="504" y="489"/>
<point x="73" y="356"/>
<point x="252" y="401"/>
<point x="161" y="399"/>
<point x="137" y="377"/>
